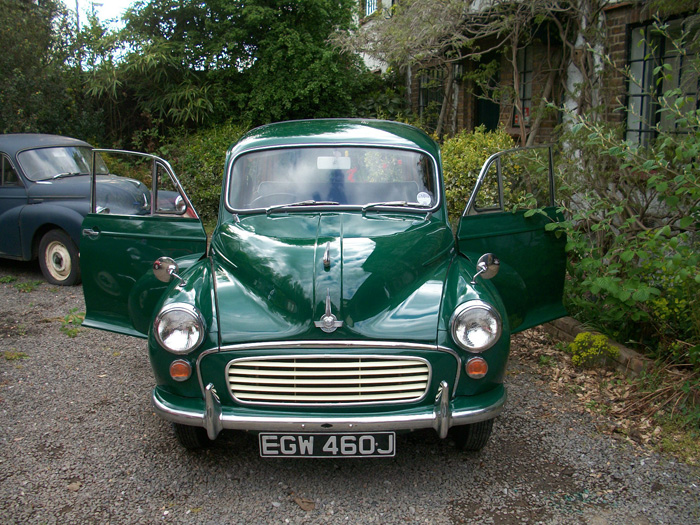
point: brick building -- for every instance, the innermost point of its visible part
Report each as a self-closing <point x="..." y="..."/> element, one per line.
<point x="629" y="39"/>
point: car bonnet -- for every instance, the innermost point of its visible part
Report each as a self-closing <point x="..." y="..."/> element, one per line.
<point x="379" y="276"/>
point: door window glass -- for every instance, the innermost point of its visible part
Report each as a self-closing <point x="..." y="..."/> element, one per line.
<point x="127" y="188"/>
<point x="515" y="180"/>
<point x="9" y="175"/>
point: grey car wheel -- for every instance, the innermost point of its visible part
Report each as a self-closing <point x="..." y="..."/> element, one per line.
<point x="58" y="258"/>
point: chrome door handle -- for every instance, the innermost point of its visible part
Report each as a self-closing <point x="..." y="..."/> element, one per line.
<point x="87" y="232"/>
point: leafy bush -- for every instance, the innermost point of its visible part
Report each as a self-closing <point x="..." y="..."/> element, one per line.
<point x="198" y="160"/>
<point x="633" y="217"/>
<point x="590" y="350"/>
<point x="632" y="238"/>
<point x="462" y="158"/>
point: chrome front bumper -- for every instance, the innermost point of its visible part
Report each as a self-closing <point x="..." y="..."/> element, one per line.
<point x="444" y="414"/>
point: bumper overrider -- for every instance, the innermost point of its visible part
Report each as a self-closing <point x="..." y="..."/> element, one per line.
<point x="444" y="413"/>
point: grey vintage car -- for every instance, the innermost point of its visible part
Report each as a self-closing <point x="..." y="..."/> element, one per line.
<point x="45" y="194"/>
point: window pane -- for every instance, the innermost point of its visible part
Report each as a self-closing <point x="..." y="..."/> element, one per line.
<point x="370" y="7"/>
<point x="9" y="175"/>
<point x="352" y="176"/>
<point x="46" y="163"/>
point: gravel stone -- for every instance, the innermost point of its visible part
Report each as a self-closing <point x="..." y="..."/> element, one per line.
<point x="79" y="443"/>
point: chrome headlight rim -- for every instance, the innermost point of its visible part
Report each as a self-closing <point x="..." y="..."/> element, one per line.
<point x="196" y="317"/>
<point x="470" y="306"/>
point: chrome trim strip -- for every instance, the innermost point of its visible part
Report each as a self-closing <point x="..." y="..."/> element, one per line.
<point x="332" y="403"/>
<point x="431" y="419"/>
<point x="330" y="345"/>
<point x="327" y="256"/>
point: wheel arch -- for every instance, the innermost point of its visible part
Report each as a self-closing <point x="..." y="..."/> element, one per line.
<point x="37" y="220"/>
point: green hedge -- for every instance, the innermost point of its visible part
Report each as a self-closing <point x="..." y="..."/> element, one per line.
<point x="198" y="160"/>
<point x="462" y="158"/>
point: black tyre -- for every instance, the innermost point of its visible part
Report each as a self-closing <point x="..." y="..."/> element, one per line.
<point x="192" y="438"/>
<point x="472" y="437"/>
<point x="58" y="258"/>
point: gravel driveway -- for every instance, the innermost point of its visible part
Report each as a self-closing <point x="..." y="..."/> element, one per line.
<point x="81" y="444"/>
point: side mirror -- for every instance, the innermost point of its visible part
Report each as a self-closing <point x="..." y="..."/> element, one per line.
<point x="165" y="269"/>
<point x="487" y="267"/>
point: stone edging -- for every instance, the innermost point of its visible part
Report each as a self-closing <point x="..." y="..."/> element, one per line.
<point x="629" y="362"/>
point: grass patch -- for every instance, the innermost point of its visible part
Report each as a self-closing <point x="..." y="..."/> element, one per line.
<point x="680" y="441"/>
<point x="13" y="355"/>
<point x="28" y="286"/>
<point x="546" y="360"/>
<point x="70" y="325"/>
<point x="6" y="279"/>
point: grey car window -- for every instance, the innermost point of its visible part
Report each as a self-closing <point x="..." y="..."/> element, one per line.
<point x="9" y="175"/>
<point x="46" y="163"/>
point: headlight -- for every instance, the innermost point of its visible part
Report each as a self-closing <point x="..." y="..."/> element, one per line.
<point x="179" y="328"/>
<point x="475" y="326"/>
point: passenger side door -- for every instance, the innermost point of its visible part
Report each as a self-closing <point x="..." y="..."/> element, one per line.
<point x="512" y="203"/>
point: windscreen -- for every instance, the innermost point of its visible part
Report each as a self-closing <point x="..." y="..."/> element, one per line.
<point x="346" y="176"/>
<point x="48" y="163"/>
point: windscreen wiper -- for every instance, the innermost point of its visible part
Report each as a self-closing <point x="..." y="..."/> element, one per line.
<point x="67" y="174"/>
<point x="392" y="203"/>
<point x="269" y="210"/>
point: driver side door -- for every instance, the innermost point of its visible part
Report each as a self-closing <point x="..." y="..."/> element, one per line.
<point x="135" y="219"/>
<point x="512" y="203"/>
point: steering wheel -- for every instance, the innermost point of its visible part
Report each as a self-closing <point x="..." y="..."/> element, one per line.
<point x="274" y="198"/>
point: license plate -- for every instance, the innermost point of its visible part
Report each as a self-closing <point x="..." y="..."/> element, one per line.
<point x="320" y="445"/>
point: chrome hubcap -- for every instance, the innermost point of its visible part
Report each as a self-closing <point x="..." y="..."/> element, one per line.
<point x="58" y="261"/>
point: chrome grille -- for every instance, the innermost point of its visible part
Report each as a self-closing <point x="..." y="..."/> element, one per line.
<point x="309" y="380"/>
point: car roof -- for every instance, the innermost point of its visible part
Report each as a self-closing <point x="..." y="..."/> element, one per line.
<point x="382" y="133"/>
<point x="13" y="143"/>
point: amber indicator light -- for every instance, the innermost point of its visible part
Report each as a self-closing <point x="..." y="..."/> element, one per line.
<point x="180" y="370"/>
<point x="477" y="367"/>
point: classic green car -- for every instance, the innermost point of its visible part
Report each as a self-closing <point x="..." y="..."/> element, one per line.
<point x="334" y="305"/>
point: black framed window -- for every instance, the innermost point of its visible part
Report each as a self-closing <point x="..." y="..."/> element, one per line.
<point x="431" y="93"/>
<point x="525" y="68"/>
<point x="370" y="6"/>
<point x="657" y="65"/>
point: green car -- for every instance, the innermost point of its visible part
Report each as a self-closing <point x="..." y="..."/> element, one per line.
<point x="334" y="305"/>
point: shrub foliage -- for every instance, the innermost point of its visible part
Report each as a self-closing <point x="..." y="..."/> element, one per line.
<point x="633" y="217"/>
<point x="198" y="159"/>
<point x="462" y="158"/>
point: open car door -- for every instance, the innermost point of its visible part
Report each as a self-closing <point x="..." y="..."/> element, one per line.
<point x="512" y="202"/>
<point x="134" y="220"/>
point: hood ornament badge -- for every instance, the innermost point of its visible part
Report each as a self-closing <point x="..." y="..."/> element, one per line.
<point x="329" y="323"/>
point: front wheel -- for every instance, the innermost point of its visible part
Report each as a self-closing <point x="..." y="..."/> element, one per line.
<point x="192" y="438"/>
<point x="58" y="258"/>
<point x="472" y="437"/>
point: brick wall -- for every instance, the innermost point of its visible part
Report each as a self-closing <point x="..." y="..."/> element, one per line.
<point x="618" y="18"/>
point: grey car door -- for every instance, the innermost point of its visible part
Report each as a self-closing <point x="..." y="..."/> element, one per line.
<point x="13" y="198"/>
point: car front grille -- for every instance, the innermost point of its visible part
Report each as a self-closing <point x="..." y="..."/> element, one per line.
<point x="313" y="380"/>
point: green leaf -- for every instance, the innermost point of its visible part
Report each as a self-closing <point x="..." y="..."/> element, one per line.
<point x="606" y="283"/>
<point x="624" y="295"/>
<point x="627" y="256"/>
<point x="686" y="221"/>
